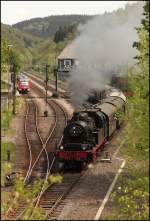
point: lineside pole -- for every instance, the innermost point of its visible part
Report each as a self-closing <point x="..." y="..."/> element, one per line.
<point x="56" y="79"/>
<point x="46" y="81"/>
<point x="8" y="96"/>
<point x="14" y="93"/>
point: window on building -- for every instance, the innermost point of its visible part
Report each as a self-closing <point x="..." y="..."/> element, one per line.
<point x="67" y="63"/>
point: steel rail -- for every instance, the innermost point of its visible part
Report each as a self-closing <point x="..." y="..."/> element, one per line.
<point x="50" y="185"/>
<point x="30" y="168"/>
<point x="44" y="148"/>
<point x="49" y="138"/>
<point x="62" y="197"/>
<point x="37" y="200"/>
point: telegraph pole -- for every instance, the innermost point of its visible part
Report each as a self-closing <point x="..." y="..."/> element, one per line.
<point x="46" y="81"/>
<point x="56" y="81"/>
<point x="14" y="91"/>
<point x="9" y="72"/>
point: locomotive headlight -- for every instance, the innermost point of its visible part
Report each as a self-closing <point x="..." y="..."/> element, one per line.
<point x="61" y="147"/>
<point x="83" y="148"/>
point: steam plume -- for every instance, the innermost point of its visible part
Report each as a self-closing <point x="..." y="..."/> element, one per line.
<point x="102" y="47"/>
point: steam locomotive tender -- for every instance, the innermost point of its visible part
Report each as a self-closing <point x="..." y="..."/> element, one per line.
<point x="88" y="130"/>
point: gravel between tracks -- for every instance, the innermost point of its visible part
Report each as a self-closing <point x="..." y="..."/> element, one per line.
<point x="44" y="123"/>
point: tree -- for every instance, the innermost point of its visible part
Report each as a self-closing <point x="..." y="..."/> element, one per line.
<point x="143" y="32"/>
<point x="145" y="21"/>
<point x="4" y="56"/>
<point x="139" y="81"/>
<point x="15" y="61"/>
<point x="59" y="35"/>
<point x="64" y="32"/>
<point x="133" y="192"/>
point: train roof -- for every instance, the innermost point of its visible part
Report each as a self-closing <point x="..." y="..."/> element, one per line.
<point x="67" y="53"/>
<point x="23" y="77"/>
<point x="107" y="108"/>
<point x="116" y="94"/>
<point x="116" y="101"/>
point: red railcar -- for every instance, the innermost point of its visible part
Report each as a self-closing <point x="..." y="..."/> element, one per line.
<point x="23" y="84"/>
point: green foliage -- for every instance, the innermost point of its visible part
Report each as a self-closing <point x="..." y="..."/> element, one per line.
<point x="143" y="31"/>
<point x="138" y="105"/>
<point x="138" y="113"/>
<point x="62" y="33"/>
<point x="131" y="197"/>
<point x="59" y="35"/>
<point x="22" y="193"/>
<point x="47" y="27"/>
<point x="6" y="118"/>
<point x="46" y="53"/>
<point x="6" y="167"/>
<point x="6" y="115"/>
<point x="119" y="115"/>
<point x="55" y="178"/>
<point x="23" y="43"/>
<point x="15" y="61"/>
<point x="4" y="57"/>
<point x="145" y="21"/>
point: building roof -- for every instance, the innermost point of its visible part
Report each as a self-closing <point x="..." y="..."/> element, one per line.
<point x="68" y="52"/>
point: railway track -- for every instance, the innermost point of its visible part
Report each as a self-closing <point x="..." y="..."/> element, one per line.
<point x="54" y="138"/>
<point x="38" y="163"/>
<point x="35" y="144"/>
<point x="53" y="198"/>
<point x="62" y="92"/>
<point x="62" y="83"/>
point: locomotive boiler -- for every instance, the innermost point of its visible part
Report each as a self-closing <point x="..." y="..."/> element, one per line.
<point x="89" y="129"/>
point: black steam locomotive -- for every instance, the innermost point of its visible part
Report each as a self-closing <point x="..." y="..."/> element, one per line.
<point x="90" y="129"/>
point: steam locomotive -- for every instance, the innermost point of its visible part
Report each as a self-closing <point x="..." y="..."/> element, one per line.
<point x="89" y="129"/>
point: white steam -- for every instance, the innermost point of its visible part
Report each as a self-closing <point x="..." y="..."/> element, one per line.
<point x="103" y="46"/>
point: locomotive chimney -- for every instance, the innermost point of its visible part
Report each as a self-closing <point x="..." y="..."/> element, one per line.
<point x="76" y="116"/>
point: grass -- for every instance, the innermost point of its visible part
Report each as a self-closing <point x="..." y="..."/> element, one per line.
<point x="6" y="118"/>
<point x="4" y="86"/>
<point x="5" y="76"/>
<point x="129" y="199"/>
<point x="6" y="167"/>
